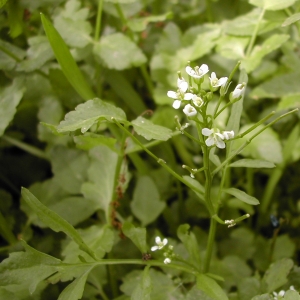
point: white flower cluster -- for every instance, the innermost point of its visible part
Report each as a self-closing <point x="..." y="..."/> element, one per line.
<point x="184" y="93"/>
<point x="161" y="244"/>
<point x="215" y="137"/>
<point x="280" y="295"/>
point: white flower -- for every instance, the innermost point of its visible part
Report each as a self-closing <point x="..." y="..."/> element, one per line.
<point x="197" y="101"/>
<point x="215" y="82"/>
<point x="197" y="72"/>
<point x="167" y="261"/>
<point x="180" y="94"/>
<point x="278" y="295"/>
<point x="160" y="244"/>
<point x="214" y="137"/>
<point x="238" y="91"/>
<point x="228" y="134"/>
<point x="189" y="110"/>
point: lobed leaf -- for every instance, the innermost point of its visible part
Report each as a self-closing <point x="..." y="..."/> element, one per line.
<point x="118" y="52"/>
<point x="241" y="196"/>
<point x="10" y="97"/>
<point x="146" y="204"/>
<point x="276" y="275"/>
<point x="189" y="240"/>
<point x="136" y="234"/>
<point x="89" y="113"/>
<point x="144" y="287"/>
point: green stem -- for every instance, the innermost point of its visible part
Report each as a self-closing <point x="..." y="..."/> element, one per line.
<point x="254" y="34"/>
<point x="222" y="109"/>
<point x="30" y="149"/>
<point x="209" y="14"/>
<point x="147" y="79"/>
<point x="152" y="263"/>
<point x="236" y="152"/>
<point x="159" y="160"/>
<point x="210" y="243"/>
<point x="98" y="21"/>
<point x="272" y="183"/>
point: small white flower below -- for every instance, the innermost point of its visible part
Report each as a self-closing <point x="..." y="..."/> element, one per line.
<point x="214" y="137"/>
<point x="180" y="94"/>
<point x="159" y="244"/>
<point x="228" y="134"/>
<point x="215" y="82"/>
<point x="189" y="110"/>
<point x="197" y="72"/>
<point x="238" y="91"/>
<point x="167" y="260"/>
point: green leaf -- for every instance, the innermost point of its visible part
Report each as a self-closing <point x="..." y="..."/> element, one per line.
<point x="15" y="18"/>
<point x="276" y="275"/>
<point x="210" y="287"/>
<point x="291" y="295"/>
<point x="290" y="144"/>
<point x="100" y="238"/>
<point x="241" y="196"/>
<point x="137" y="235"/>
<point x="140" y="24"/>
<point x="272" y="4"/>
<point x="144" y="287"/>
<point x="189" y="240"/>
<point x="10" y="55"/>
<point x="288" y="102"/>
<point x="272" y="43"/>
<point x="252" y="163"/>
<point x="118" y="52"/>
<point x="232" y="47"/>
<point x="265" y="146"/>
<point x="23" y="271"/>
<point x="66" y="61"/>
<point x="75" y="33"/>
<point x="2" y="3"/>
<point x="89" y="113"/>
<point x="124" y="89"/>
<point x="54" y="221"/>
<point x="101" y="174"/>
<point x="151" y="131"/>
<point x="38" y="54"/>
<point x="5" y="231"/>
<point x="91" y="140"/>
<point x="279" y="86"/>
<point x="244" y="25"/>
<point x="291" y="19"/>
<point x="10" y="97"/>
<point x="74" y="291"/>
<point x="146" y="204"/>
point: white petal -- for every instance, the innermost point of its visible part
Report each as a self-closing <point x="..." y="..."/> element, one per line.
<point x="188" y="96"/>
<point x="222" y="81"/>
<point x="179" y="80"/>
<point x="165" y="242"/>
<point x="154" y="248"/>
<point x="189" y="70"/>
<point x="157" y="240"/>
<point x="172" y="94"/>
<point x="189" y="110"/>
<point x="219" y="135"/>
<point x="206" y="131"/>
<point x="210" y="141"/>
<point x="213" y="76"/>
<point x="204" y="69"/>
<point x="220" y="144"/>
<point x="176" y="104"/>
<point x="183" y="86"/>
